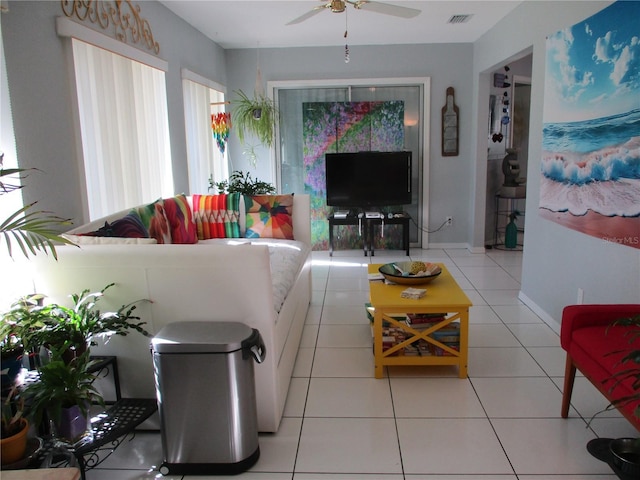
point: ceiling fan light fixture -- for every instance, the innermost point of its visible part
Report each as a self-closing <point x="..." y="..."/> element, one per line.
<point x="337" y="6"/>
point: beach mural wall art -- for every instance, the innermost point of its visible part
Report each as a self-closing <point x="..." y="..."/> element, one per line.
<point x="591" y="135"/>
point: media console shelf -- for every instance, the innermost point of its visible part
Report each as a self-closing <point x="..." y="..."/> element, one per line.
<point x="381" y="222"/>
<point x="366" y="227"/>
<point x="348" y="220"/>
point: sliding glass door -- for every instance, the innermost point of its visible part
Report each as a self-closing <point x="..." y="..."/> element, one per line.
<point x="315" y="120"/>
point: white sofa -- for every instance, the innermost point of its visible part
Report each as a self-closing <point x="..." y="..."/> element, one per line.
<point x="207" y="281"/>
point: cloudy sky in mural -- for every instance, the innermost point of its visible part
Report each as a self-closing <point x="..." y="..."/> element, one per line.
<point x="593" y="69"/>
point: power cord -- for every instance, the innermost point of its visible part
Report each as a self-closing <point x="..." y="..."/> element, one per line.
<point x="425" y="230"/>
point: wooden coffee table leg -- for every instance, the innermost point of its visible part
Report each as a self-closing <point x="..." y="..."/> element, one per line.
<point x="377" y="344"/>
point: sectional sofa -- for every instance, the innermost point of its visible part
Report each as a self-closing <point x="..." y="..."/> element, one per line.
<point x="248" y="277"/>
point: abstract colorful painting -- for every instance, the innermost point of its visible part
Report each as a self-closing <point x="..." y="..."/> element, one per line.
<point x="591" y="139"/>
<point x="332" y="127"/>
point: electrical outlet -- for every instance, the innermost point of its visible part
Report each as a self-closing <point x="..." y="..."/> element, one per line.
<point x="449" y="221"/>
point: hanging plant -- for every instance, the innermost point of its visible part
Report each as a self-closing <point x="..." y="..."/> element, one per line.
<point x="220" y="125"/>
<point x="255" y="116"/>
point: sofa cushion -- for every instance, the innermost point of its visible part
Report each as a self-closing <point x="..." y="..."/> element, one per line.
<point x="178" y="213"/>
<point x="217" y="216"/>
<point x="269" y="216"/>
<point x="599" y="350"/>
<point x="155" y="220"/>
<point x="92" y="240"/>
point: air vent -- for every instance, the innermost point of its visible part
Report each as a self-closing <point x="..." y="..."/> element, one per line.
<point x="459" y="18"/>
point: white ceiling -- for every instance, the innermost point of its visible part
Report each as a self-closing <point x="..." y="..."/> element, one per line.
<point x="262" y="23"/>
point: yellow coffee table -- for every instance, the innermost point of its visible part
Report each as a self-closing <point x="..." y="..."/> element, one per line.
<point x="444" y="295"/>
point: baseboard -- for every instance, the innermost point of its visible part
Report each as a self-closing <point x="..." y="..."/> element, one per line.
<point x="546" y="318"/>
<point x="451" y="246"/>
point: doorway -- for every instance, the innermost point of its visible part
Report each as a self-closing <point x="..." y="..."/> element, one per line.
<point x="509" y="113"/>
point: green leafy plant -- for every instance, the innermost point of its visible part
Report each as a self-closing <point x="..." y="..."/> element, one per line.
<point x="78" y="326"/>
<point x="256" y="116"/>
<point x="240" y="182"/>
<point x="632" y="360"/>
<point x="19" y="324"/>
<point x="31" y="230"/>
<point x="62" y="385"/>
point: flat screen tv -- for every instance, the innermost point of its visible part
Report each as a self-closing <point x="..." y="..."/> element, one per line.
<point x="368" y="179"/>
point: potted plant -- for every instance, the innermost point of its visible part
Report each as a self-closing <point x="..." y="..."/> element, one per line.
<point x="240" y="182"/>
<point x="64" y="394"/>
<point x="11" y="352"/>
<point x="623" y="454"/>
<point x="77" y="327"/>
<point x="632" y="360"/>
<point x="13" y="439"/>
<point x="256" y="116"/>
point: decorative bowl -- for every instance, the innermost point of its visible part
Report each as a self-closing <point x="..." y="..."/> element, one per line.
<point x="399" y="272"/>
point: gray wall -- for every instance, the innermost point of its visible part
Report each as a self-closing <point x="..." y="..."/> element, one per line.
<point x="38" y="69"/>
<point x="557" y="260"/>
<point x="448" y="65"/>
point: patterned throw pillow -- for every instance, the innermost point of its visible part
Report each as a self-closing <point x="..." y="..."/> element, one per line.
<point x="178" y="213"/>
<point x="155" y="220"/>
<point x="269" y="216"/>
<point x="217" y="216"/>
<point x="129" y="226"/>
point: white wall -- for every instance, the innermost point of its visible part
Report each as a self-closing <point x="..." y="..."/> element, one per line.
<point x="447" y="65"/>
<point x="557" y="260"/>
<point x="39" y="83"/>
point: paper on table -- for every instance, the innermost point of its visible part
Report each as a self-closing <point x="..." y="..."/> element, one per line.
<point x="413" y="293"/>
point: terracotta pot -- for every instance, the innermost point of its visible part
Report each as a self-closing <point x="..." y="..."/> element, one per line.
<point x="14" y="447"/>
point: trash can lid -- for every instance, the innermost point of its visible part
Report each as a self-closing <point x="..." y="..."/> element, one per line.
<point x="201" y="337"/>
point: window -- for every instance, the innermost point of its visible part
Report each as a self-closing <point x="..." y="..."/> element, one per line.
<point x="122" y="110"/>
<point x="202" y="99"/>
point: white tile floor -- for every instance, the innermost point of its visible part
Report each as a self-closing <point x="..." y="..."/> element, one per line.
<point x="501" y="423"/>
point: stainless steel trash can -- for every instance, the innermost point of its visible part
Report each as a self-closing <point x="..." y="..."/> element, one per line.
<point x="206" y="396"/>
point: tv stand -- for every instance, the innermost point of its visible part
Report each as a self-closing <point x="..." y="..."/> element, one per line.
<point x="366" y="227"/>
<point x="348" y="219"/>
<point x="394" y="219"/>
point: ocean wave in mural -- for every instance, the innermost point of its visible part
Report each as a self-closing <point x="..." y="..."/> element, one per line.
<point x="591" y="139"/>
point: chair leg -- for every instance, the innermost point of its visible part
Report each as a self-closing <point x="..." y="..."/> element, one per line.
<point x="569" y="377"/>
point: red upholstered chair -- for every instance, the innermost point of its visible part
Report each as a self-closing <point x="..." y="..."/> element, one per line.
<point x="595" y="348"/>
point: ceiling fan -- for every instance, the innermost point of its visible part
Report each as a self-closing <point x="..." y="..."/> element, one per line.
<point x="339" y="6"/>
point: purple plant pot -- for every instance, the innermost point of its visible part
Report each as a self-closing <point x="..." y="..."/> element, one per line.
<point x="73" y="425"/>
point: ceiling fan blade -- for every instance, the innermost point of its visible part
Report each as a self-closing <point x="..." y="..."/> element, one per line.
<point x="386" y="9"/>
<point x="308" y="15"/>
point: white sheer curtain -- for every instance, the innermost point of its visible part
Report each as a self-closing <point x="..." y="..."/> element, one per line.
<point x="204" y="157"/>
<point x="125" y="131"/>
